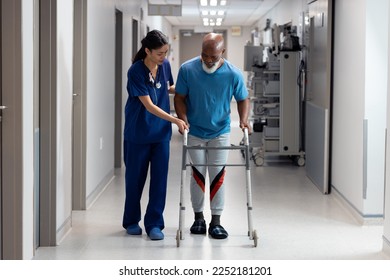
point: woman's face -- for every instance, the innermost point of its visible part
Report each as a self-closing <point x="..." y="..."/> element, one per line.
<point x="158" y="55"/>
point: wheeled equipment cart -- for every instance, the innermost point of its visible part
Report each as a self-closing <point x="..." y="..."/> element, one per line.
<point x="277" y="89"/>
<point x="244" y="147"/>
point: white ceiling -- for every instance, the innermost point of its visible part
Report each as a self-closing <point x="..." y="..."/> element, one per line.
<point x="238" y="12"/>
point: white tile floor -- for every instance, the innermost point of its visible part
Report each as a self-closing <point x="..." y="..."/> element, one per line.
<point x="293" y="219"/>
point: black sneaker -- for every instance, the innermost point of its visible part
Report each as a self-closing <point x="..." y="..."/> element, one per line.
<point x="218" y="232"/>
<point x="198" y="227"/>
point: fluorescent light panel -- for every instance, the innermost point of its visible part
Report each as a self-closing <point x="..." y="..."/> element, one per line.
<point x="213" y="3"/>
<point x="205" y="13"/>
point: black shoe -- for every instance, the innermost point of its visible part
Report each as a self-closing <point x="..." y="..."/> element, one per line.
<point x="198" y="227"/>
<point x="218" y="232"/>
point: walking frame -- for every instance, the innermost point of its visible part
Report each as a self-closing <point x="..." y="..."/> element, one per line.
<point x="244" y="147"/>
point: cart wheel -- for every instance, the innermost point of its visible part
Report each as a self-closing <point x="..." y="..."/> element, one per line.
<point x="178" y="237"/>
<point x="301" y="161"/>
<point x="255" y="238"/>
<point x="258" y="159"/>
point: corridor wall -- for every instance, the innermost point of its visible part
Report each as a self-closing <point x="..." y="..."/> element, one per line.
<point x="359" y="105"/>
<point x="386" y="231"/>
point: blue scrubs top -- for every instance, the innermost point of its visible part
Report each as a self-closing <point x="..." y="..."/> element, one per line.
<point x="209" y="96"/>
<point x="142" y="127"/>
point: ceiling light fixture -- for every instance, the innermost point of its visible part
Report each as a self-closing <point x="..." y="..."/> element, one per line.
<point x="212" y="3"/>
<point x="211" y="13"/>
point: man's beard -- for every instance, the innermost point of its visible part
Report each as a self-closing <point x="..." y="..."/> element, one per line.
<point x="212" y="69"/>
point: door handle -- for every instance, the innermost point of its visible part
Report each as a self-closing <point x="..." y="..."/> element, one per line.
<point x="2" y="108"/>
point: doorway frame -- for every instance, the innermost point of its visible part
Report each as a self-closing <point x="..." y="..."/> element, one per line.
<point x="48" y="123"/>
<point x="12" y="131"/>
<point x="118" y="88"/>
<point x="79" y="122"/>
<point x="36" y="140"/>
<point x="1" y="146"/>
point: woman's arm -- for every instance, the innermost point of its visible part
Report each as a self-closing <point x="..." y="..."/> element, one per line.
<point x="157" y="111"/>
<point x="171" y="89"/>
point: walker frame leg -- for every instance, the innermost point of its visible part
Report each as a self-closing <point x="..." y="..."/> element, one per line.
<point x="179" y="234"/>
<point x="252" y="233"/>
<point x="246" y="151"/>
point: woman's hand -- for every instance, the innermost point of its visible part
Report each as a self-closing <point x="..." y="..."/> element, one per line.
<point x="182" y="125"/>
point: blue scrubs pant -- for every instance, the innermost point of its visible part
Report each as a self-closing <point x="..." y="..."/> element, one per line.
<point x="137" y="158"/>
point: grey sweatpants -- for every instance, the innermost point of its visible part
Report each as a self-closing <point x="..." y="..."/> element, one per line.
<point x="216" y="173"/>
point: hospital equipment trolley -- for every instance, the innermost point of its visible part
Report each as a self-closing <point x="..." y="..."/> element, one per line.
<point x="277" y="106"/>
<point x="245" y="149"/>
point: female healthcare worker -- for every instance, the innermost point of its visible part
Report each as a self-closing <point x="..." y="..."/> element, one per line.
<point x="147" y="134"/>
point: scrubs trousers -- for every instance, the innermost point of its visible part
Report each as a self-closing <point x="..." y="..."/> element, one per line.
<point x="137" y="158"/>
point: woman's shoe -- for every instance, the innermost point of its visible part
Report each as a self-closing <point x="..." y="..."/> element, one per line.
<point x="156" y="234"/>
<point x="134" y="229"/>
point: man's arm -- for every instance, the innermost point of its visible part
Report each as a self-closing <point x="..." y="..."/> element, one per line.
<point x="181" y="107"/>
<point x="243" y="112"/>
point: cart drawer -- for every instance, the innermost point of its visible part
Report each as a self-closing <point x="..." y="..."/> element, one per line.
<point x="271" y="145"/>
<point x="271" y="87"/>
<point x="271" y="131"/>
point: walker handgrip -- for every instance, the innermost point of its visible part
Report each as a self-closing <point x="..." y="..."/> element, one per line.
<point x="185" y="137"/>
<point x="246" y="137"/>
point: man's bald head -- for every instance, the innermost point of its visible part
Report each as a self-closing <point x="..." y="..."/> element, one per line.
<point x="212" y="51"/>
<point x="213" y="41"/>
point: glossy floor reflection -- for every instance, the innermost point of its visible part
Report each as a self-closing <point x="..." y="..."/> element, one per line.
<point x="291" y="217"/>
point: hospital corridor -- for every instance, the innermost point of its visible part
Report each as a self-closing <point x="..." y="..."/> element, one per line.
<point x="292" y="218"/>
<point x="87" y="85"/>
